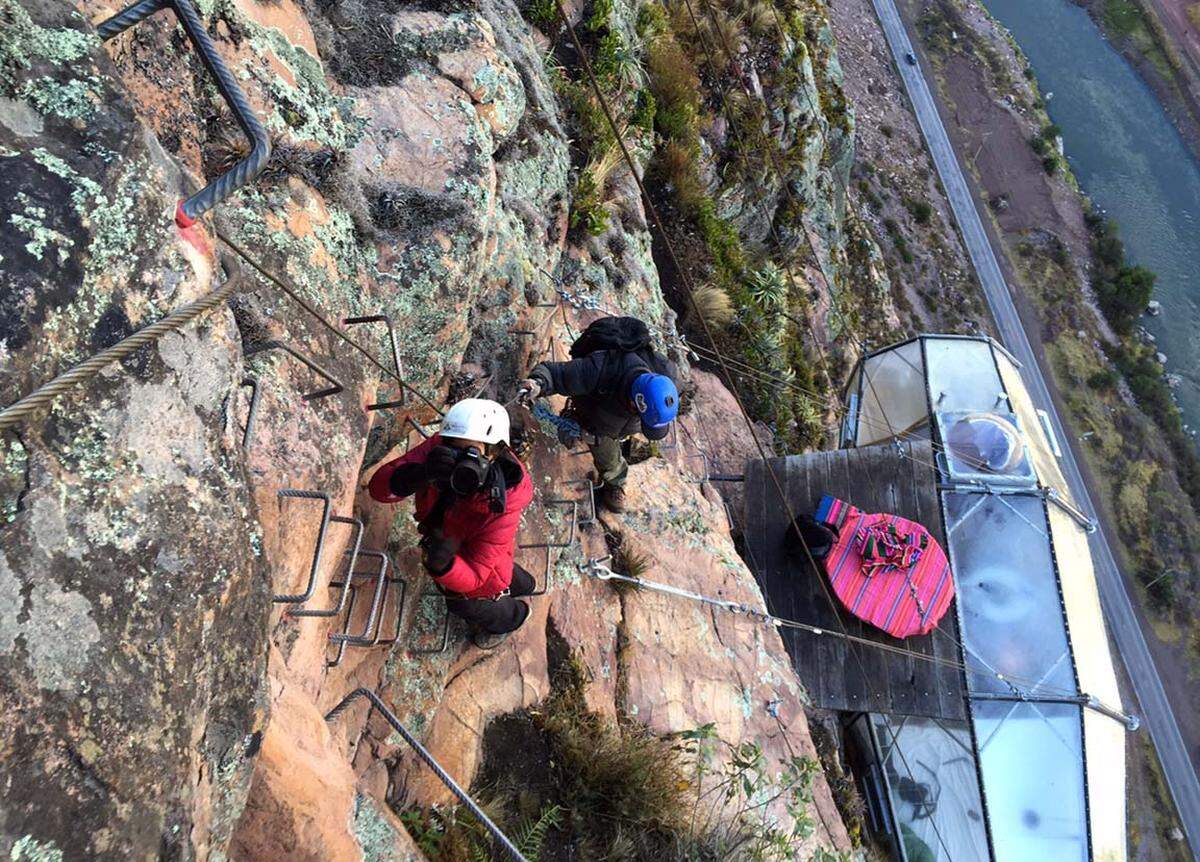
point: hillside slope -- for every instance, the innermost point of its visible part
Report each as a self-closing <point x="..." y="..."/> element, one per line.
<point x="427" y="165"/>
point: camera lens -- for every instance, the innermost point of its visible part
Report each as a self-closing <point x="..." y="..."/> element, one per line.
<point x="468" y="474"/>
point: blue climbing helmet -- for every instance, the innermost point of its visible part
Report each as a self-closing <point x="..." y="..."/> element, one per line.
<point x="656" y="399"/>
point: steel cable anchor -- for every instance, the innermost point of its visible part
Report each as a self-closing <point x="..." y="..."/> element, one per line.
<point x="192" y="208"/>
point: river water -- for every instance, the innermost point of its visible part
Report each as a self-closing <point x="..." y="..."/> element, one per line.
<point x="1130" y="159"/>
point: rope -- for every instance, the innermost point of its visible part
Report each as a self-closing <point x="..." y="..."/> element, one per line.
<point x="509" y="848"/>
<point x="596" y="569"/>
<point x="293" y="294"/>
<point x="15" y="413"/>
<point x="568" y="427"/>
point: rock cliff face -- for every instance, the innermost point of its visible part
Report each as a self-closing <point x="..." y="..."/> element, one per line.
<point x="156" y="702"/>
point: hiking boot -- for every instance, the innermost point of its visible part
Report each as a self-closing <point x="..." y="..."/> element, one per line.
<point x="487" y="640"/>
<point x="612" y="497"/>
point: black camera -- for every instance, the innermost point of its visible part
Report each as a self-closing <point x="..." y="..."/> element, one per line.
<point x="469" y="472"/>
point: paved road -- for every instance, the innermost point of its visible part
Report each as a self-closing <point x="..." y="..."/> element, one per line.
<point x="1118" y="609"/>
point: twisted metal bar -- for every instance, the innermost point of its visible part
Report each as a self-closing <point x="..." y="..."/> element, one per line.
<point x="507" y="845"/>
<point x="89" y="368"/>
<point x="316" y="369"/>
<point x="326" y="506"/>
<point x="387" y="321"/>
<point x="352" y="552"/>
<point x="260" y="146"/>
<point x="127" y="17"/>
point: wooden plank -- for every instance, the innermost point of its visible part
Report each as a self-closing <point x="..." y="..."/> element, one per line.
<point x="874" y="479"/>
<point x="802" y="646"/>
<point x="869" y="472"/>
<point x="948" y="680"/>
<point x="857" y="667"/>
<point x="830" y="652"/>
<point x="914" y="691"/>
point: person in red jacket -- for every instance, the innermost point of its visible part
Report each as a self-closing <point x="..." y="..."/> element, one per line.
<point x="470" y="493"/>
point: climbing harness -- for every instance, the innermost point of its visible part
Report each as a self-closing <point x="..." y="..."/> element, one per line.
<point x="249" y="167"/>
<point x="503" y="840"/>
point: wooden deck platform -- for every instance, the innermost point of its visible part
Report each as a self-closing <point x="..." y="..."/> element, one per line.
<point x="840" y="675"/>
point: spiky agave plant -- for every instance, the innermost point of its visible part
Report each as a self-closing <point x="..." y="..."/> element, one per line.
<point x="768" y="288"/>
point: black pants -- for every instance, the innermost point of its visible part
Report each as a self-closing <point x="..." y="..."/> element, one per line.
<point x="501" y="615"/>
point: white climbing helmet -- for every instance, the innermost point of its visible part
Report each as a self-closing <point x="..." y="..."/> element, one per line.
<point x="477" y="419"/>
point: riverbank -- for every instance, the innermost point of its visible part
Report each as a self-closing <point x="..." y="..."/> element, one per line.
<point x="995" y="115"/>
<point x="1161" y="40"/>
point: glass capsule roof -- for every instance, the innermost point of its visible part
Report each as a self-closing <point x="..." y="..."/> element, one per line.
<point x="1024" y="694"/>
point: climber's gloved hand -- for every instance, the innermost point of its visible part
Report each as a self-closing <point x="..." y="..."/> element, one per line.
<point x="528" y="390"/>
<point x="407" y="479"/>
<point x="440" y="551"/>
<point x="439" y="463"/>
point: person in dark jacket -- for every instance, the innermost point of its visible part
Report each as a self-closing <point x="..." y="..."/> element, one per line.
<point x="470" y="493"/>
<point x="614" y="395"/>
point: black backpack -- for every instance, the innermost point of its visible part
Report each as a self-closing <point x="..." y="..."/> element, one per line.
<point x="807" y="532"/>
<point x="626" y="334"/>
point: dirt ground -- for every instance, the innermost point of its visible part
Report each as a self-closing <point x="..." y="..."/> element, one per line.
<point x="1179" y="18"/>
<point x="893" y="175"/>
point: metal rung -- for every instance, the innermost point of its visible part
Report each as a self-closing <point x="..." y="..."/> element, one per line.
<point x="729" y="516"/>
<point x="357" y="524"/>
<point x="445" y="625"/>
<point x="267" y="346"/>
<point x="345" y="640"/>
<point x="374" y="618"/>
<point x="591" y="498"/>
<point x="383" y="318"/>
<point x="545" y="587"/>
<point x="574" y="504"/>
<point x="252" y="413"/>
<point x="327" y="504"/>
<point x="674" y="444"/>
<point x="704" y="476"/>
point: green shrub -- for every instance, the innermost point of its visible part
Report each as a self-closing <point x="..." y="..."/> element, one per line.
<point x="1103" y="380"/>
<point x="588" y="212"/>
<point x="455" y="835"/>
<point x="676" y="87"/>
<point x="921" y="210"/>
<point x="1050" y="164"/>
<point x="651" y="21"/>
<point x="541" y="12"/>
<point x="601" y="13"/>
<point x="614" y="61"/>
<point x="1124" y="297"/>
<point x="722" y="241"/>
<point x="767" y="288"/>
<point x="644" y="109"/>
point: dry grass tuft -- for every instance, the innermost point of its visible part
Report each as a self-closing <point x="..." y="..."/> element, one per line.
<point x="712" y="305"/>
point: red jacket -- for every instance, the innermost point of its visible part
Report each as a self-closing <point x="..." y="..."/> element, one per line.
<point x="484" y="564"/>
